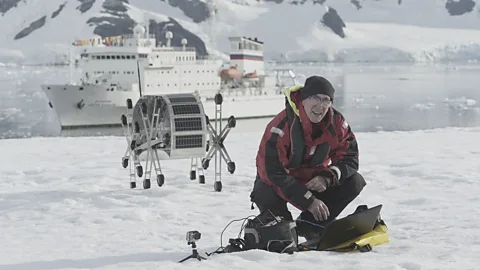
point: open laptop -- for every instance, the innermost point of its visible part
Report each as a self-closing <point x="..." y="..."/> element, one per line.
<point x="344" y="229"/>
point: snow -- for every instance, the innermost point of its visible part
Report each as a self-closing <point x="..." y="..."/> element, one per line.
<point x="65" y="204"/>
<point x="389" y="43"/>
<point x="54" y="38"/>
<point x="382" y="31"/>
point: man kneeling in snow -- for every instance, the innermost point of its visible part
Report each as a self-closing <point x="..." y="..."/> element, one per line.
<point x="308" y="157"/>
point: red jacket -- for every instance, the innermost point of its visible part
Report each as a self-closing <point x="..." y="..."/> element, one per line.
<point x="293" y="151"/>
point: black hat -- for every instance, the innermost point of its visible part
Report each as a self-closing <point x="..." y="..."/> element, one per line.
<point x="317" y="85"/>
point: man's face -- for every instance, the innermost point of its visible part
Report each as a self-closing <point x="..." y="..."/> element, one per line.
<point x="316" y="107"/>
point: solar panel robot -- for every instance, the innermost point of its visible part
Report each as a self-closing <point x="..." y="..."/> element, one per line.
<point x="174" y="126"/>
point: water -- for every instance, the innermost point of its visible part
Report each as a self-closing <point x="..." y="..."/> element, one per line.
<point x="372" y="98"/>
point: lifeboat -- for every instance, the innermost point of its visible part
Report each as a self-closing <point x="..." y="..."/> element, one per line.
<point x="251" y="75"/>
<point x="230" y="73"/>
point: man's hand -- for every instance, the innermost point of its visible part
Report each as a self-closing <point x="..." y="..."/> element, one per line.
<point x="318" y="183"/>
<point x="319" y="210"/>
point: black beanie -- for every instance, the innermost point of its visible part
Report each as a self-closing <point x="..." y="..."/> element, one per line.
<point x="317" y="85"/>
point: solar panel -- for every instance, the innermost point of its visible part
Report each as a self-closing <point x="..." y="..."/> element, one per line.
<point x="189" y="141"/>
<point x="188" y="124"/>
<point x="184" y="99"/>
<point x="185" y="109"/>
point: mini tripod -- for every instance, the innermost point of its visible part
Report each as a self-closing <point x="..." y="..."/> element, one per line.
<point x="194" y="254"/>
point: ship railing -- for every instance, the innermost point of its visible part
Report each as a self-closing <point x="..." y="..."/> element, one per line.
<point x="206" y="57"/>
<point x="175" y="49"/>
<point x="131" y="36"/>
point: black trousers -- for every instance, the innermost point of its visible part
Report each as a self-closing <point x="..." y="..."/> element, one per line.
<point x="336" y="198"/>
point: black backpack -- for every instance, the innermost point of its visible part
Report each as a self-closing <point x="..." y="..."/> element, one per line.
<point x="271" y="233"/>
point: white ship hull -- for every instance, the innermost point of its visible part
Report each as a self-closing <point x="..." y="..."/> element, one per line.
<point x="93" y="106"/>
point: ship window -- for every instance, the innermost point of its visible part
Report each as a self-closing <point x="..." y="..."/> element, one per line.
<point x="118" y="56"/>
<point x="133" y="56"/>
<point x="128" y="56"/>
<point x="108" y="56"/>
<point x="123" y="56"/>
<point x="103" y="56"/>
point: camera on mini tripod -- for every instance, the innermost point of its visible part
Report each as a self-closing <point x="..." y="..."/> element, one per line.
<point x="193" y="236"/>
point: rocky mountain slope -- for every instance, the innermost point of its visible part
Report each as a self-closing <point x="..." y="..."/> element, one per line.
<point x="41" y="31"/>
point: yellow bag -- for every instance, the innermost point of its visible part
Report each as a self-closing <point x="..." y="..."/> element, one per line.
<point x="365" y="242"/>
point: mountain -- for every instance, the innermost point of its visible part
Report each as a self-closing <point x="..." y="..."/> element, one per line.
<point x="39" y="31"/>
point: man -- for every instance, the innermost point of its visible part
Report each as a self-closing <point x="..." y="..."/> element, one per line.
<point x="308" y="157"/>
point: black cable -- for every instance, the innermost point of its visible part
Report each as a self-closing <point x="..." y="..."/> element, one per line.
<point x="221" y="234"/>
<point x="312" y="223"/>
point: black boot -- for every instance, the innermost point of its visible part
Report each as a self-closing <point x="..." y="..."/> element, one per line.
<point x="307" y="231"/>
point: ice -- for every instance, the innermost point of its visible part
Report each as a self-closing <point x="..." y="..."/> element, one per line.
<point x="65" y="204"/>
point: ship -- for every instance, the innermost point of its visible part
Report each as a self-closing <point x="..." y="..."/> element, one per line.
<point x="115" y="69"/>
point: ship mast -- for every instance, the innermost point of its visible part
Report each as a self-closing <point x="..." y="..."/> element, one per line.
<point x="71" y="60"/>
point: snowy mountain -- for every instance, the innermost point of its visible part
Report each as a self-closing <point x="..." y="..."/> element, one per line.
<point x="41" y="31"/>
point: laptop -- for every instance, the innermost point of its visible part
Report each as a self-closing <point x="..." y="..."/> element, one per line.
<point x="344" y="229"/>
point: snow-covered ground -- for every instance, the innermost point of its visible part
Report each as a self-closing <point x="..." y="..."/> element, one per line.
<point x="65" y="204"/>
